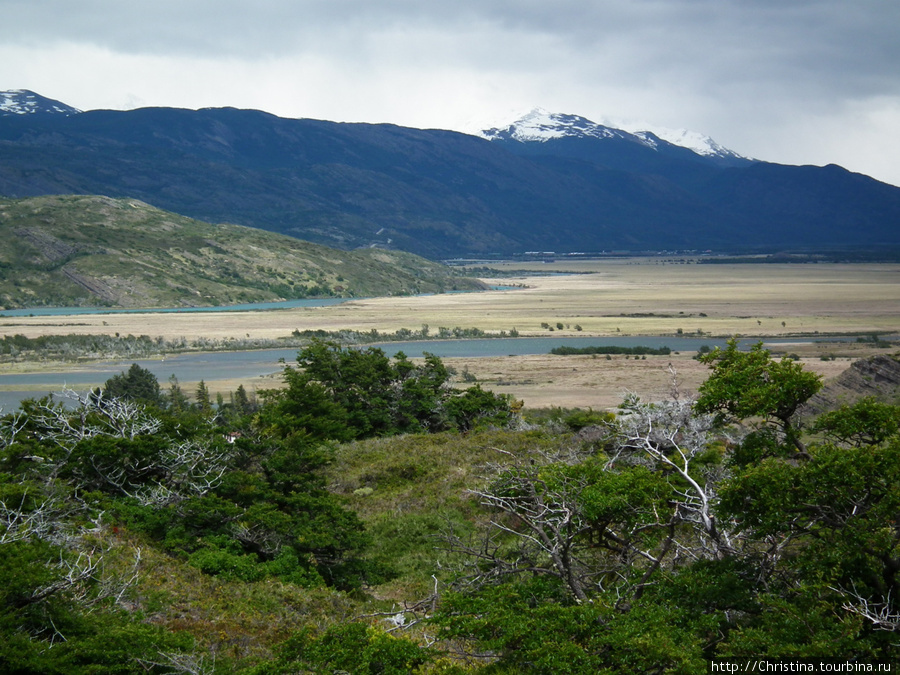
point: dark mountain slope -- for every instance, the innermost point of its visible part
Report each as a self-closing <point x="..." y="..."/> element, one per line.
<point x="800" y="205"/>
<point x="437" y="193"/>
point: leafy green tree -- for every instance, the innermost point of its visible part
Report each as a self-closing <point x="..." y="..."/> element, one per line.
<point x="745" y="385"/>
<point x="421" y="393"/>
<point x="358" y="380"/>
<point x="241" y="403"/>
<point x="476" y="407"/>
<point x="138" y="385"/>
<point x="304" y="407"/>
<point x="532" y="627"/>
<point x="342" y="394"/>
<point x="348" y="648"/>
<point x="835" y="513"/>
<point x="866" y="422"/>
<point x="739" y="545"/>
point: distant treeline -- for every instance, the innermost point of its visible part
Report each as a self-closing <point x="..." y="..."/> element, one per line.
<point x="609" y="349"/>
<point x="885" y="255"/>
<point x="74" y="347"/>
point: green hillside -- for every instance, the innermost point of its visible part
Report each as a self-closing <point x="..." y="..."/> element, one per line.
<point x="373" y="517"/>
<point x="98" y="251"/>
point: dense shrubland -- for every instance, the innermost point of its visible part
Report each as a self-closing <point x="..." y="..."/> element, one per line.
<point x="370" y="518"/>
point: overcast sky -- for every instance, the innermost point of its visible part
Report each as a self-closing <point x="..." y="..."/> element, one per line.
<point x="793" y="81"/>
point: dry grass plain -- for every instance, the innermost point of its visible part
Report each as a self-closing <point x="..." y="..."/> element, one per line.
<point x="603" y="298"/>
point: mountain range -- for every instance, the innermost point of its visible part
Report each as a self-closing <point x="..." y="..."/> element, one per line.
<point x="547" y="182"/>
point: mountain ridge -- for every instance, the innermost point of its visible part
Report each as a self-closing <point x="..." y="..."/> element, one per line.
<point x="540" y="125"/>
<point x="27" y="102"/>
<point x="442" y="194"/>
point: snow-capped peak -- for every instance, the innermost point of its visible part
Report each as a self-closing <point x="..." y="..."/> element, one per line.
<point x="25" y="102"/>
<point x="541" y="125"/>
<point x="692" y="140"/>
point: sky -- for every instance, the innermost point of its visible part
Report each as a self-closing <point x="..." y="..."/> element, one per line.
<point x="790" y="81"/>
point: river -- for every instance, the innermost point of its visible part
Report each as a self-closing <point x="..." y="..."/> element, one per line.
<point x="211" y="366"/>
<point x="246" y="307"/>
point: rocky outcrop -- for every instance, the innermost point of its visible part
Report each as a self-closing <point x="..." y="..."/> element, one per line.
<point x="47" y="245"/>
<point x="92" y="285"/>
<point x="877" y="376"/>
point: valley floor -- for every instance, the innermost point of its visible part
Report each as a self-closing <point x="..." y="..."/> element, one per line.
<point x="648" y="296"/>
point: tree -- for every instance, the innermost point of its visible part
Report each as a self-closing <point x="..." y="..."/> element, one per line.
<point x="578" y="522"/>
<point x="138" y="385"/>
<point x="241" y="402"/>
<point x="304" y="407"/>
<point x="343" y="393"/>
<point x="176" y="399"/>
<point x="475" y="407"/>
<point x="611" y="521"/>
<point x="421" y="394"/>
<point x="740" y="543"/>
<point x="58" y="594"/>
<point x="745" y="385"/>
<point x="204" y="404"/>
<point x="865" y="422"/>
<point x="359" y="380"/>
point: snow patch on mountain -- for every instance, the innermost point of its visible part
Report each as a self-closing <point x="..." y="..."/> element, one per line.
<point x="26" y="102"/>
<point x="685" y="138"/>
<point x="539" y="125"/>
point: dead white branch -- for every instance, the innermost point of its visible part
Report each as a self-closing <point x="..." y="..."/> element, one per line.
<point x="670" y="436"/>
<point x="19" y="523"/>
<point x="178" y="663"/>
<point x="882" y="615"/>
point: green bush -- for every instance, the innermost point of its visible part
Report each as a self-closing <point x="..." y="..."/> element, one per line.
<point x="227" y="563"/>
<point x="579" y="419"/>
<point x="350" y="648"/>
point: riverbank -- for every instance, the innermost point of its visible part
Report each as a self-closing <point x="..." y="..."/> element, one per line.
<point x="522" y="367"/>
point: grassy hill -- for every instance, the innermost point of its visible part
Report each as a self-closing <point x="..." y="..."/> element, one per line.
<point x="98" y="251"/>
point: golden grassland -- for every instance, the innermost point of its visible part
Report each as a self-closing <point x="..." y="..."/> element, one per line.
<point x="602" y="298"/>
<point x="541" y="381"/>
<point x="627" y="297"/>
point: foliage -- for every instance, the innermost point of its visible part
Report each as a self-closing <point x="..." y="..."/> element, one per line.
<point x="345" y="393"/>
<point x="138" y="385"/>
<point x="530" y="627"/>
<point x="351" y="648"/>
<point x="740" y="542"/>
<point x="246" y="503"/>
<point x="476" y="407"/>
<point x="576" y="420"/>
<point x="750" y="384"/>
<point x="691" y="530"/>
<point x="74" y="347"/>
<point x="249" y="510"/>
<point x="866" y="422"/>
<point x="837" y="510"/>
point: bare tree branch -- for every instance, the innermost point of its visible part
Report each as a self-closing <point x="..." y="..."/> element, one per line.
<point x="882" y="615"/>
